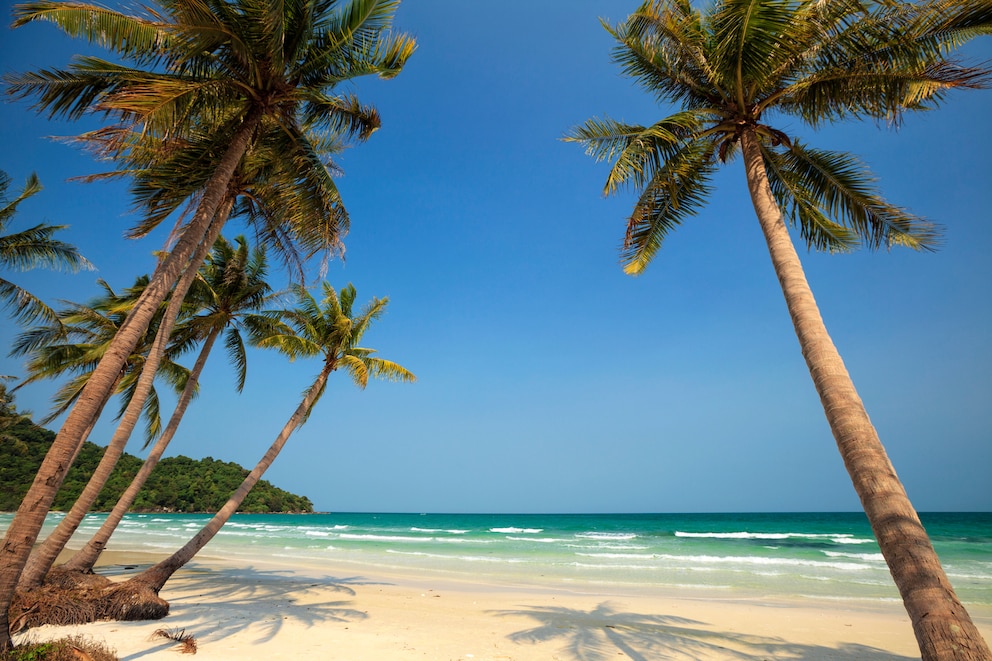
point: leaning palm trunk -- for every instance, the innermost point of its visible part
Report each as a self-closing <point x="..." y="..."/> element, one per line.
<point x="84" y="560"/>
<point x="30" y="516"/>
<point x="44" y="556"/>
<point x="154" y="578"/>
<point x="942" y="626"/>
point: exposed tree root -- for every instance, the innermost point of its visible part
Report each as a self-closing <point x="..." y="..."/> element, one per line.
<point x="76" y="598"/>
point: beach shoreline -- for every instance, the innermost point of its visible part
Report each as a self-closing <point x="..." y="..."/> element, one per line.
<point x="280" y="608"/>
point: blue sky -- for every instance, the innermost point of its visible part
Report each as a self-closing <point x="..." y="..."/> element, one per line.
<point x="547" y="379"/>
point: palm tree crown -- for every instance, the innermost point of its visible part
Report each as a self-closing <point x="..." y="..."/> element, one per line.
<point x="194" y="73"/>
<point x="230" y="288"/>
<point x="331" y="328"/>
<point x="737" y="67"/>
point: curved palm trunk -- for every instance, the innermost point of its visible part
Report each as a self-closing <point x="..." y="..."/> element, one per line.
<point x="155" y="577"/>
<point x="943" y="627"/>
<point x="30" y="516"/>
<point x="84" y="560"/>
<point x="43" y="557"/>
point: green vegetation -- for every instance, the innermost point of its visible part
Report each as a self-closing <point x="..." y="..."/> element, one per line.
<point x="64" y="649"/>
<point x="179" y="484"/>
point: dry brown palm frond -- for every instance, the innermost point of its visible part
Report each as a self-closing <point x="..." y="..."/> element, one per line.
<point x="187" y="643"/>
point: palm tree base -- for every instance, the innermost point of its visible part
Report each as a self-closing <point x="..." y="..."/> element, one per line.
<point x="72" y="597"/>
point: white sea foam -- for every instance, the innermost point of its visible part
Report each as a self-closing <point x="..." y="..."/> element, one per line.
<point x="856" y="556"/>
<point x="744" y="561"/>
<point x="539" y="540"/>
<point x="383" y="538"/>
<point x="837" y="538"/>
<point x="518" y="531"/>
<point x="464" y="558"/>
<point x="606" y="535"/>
<point x="639" y="556"/>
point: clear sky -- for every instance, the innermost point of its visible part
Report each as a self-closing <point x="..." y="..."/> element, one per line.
<point x="547" y="379"/>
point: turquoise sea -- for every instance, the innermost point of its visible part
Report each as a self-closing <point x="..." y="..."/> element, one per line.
<point x="826" y="556"/>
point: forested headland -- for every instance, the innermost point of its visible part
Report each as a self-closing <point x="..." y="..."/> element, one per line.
<point x="178" y="484"/>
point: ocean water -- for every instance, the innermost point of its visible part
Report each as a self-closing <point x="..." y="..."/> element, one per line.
<point x="818" y="555"/>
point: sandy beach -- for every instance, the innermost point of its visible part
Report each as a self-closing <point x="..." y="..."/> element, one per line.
<point x="281" y="611"/>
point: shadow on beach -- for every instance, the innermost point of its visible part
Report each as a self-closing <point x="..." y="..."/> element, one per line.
<point x="213" y="604"/>
<point x="607" y="633"/>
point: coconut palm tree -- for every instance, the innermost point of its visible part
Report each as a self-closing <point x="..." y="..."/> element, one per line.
<point x="278" y="204"/>
<point x="28" y="249"/>
<point x="239" y="68"/>
<point x="230" y="290"/>
<point x="88" y="331"/>
<point x="733" y="69"/>
<point x="328" y="329"/>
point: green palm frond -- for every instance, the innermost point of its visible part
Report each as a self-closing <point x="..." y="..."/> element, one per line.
<point x="354" y="40"/>
<point x="888" y="62"/>
<point x="388" y="370"/>
<point x="35" y="248"/>
<point x="341" y="115"/>
<point x="751" y="38"/>
<point x="235" y="347"/>
<point x="844" y="189"/>
<point x="662" y="46"/>
<point x="153" y="418"/>
<point x="24" y="306"/>
<point x="65" y="397"/>
<point x="677" y="191"/>
<point x="637" y="152"/>
<point x="9" y="207"/>
<point x="132" y="36"/>
<point x="801" y="207"/>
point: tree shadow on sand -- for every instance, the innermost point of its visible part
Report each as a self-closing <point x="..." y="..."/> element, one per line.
<point x="214" y="604"/>
<point x="607" y="633"/>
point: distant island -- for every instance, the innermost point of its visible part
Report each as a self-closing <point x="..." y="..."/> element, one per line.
<point x="178" y="484"/>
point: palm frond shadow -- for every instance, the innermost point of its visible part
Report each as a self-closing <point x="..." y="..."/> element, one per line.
<point x="606" y="633"/>
<point x="282" y="595"/>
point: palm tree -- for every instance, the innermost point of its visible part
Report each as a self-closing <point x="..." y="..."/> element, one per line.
<point x="240" y="69"/>
<point x="230" y="289"/>
<point x="327" y="329"/>
<point x="30" y="248"/>
<point x="731" y="69"/>
<point x="91" y="329"/>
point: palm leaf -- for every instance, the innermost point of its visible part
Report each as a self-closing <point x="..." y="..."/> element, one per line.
<point x="677" y="191"/>
<point x="844" y="189"/>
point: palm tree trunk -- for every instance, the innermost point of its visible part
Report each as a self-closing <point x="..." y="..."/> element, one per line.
<point x="30" y="516"/>
<point x="43" y="557"/>
<point x="84" y="560"/>
<point x="155" y="577"/>
<point x="943" y="627"/>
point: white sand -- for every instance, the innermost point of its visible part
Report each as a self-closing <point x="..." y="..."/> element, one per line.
<point x="281" y="612"/>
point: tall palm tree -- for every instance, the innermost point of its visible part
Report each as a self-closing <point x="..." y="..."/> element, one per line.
<point x="328" y="329"/>
<point x="237" y="68"/>
<point x="230" y="290"/>
<point x="30" y="248"/>
<point x="732" y="69"/>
